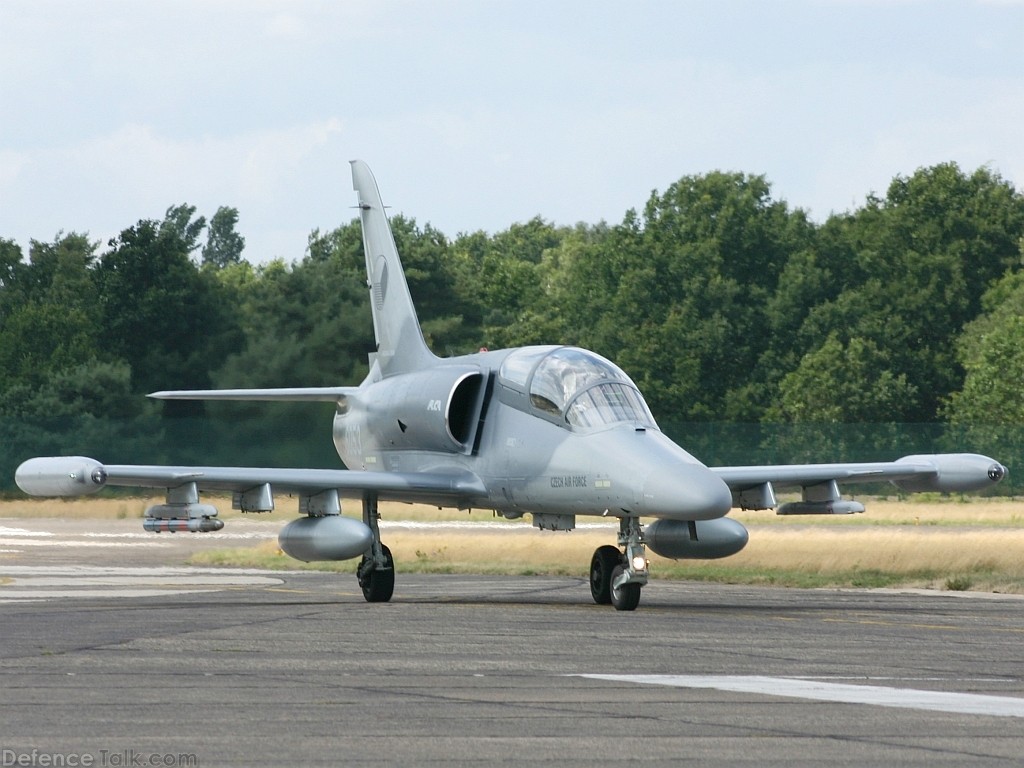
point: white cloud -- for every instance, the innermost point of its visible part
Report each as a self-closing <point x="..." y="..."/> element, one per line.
<point x="286" y="26"/>
<point x="107" y="183"/>
<point x="475" y="115"/>
<point x="12" y="163"/>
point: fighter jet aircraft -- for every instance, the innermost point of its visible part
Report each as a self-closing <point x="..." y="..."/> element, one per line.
<point x="549" y="431"/>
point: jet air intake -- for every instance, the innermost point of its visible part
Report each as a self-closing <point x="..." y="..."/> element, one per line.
<point x="434" y="410"/>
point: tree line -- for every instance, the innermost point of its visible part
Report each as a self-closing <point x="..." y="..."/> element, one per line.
<point x="722" y="302"/>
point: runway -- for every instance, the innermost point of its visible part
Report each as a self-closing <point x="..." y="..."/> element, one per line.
<point x="128" y="663"/>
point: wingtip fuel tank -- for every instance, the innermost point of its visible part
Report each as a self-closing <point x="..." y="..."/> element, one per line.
<point x="954" y="473"/>
<point x="60" y="476"/>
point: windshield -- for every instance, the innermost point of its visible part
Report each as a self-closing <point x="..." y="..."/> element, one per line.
<point x="608" y="404"/>
<point x="588" y="389"/>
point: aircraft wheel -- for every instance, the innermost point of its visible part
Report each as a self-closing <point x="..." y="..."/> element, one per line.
<point x="626" y="597"/>
<point x="378" y="585"/>
<point x="601" y="566"/>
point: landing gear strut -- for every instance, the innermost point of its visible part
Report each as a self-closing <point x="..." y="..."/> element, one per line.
<point x="376" y="572"/>
<point x="616" y="576"/>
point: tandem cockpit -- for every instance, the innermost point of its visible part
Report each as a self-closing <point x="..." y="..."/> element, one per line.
<point x="574" y="388"/>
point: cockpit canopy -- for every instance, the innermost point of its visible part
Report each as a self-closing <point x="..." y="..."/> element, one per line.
<point x="576" y="386"/>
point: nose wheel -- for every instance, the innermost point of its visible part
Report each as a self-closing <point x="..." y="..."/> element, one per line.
<point x="605" y="560"/>
<point x="617" y="578"/>
<point x="625" y="596"/>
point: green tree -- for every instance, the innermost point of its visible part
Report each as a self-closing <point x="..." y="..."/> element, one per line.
<point x="48" y="320"/>
<point x="178" y="222"/>
<point x="842" y="383"/>
<point x="40" y="338"/>
<point x="224" y="245"/>
<point x="677" y="296"/>
<point x="429" y="272"/>
<point x="12" y="268"/>
<point x="912" y="270"/>
<point x="85" y="409"/>
<point x="498" y="278"/>
<point x="304" y="324"/>
<point x="991" y="350"/>
<point x="171" y="322"/>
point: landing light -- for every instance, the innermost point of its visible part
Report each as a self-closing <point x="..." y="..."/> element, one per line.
<point x="639" y="563"/>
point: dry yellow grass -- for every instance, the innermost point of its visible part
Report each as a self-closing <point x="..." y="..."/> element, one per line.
<point x="903" y="551"/>
<point x="990" y="560"/>
<point x="921" y="555"/>
<point x="80" y="508"/>
<point x="923" y="510"/>
<point x="977" y="544"/>
<point x="103" y="507"/>
<point x="915" y="511"/>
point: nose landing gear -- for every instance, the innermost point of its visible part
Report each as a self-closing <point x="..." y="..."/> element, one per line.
<point x="616" y="576"/>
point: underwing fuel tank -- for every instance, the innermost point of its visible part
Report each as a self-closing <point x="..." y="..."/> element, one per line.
<point x="696" y="539"/>
<point x="331" y="537"/>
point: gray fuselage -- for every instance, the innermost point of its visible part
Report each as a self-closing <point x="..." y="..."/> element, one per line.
<point x="549" y="430"/>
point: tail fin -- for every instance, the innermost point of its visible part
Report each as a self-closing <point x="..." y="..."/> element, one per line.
<point x="400" y="344"/>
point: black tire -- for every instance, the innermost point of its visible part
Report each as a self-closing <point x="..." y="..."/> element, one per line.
<point x="626" y="597"/>
<point x="379" y="585"/>
<point x="601" y="566"/>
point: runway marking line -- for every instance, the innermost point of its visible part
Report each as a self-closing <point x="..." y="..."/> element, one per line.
<point x="22" y="584"/>
<point x="804" y="688"/>
<point x="943" y="627"/>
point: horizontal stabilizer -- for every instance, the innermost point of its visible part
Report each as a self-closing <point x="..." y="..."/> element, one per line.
<point x="294" y="394"/>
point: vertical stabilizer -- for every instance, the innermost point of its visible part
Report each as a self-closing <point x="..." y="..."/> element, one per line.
<point x="400" y="344"/>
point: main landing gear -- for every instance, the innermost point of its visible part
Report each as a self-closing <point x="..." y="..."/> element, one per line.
<point x="616" y="576"/>
<point x="376" y="572"/>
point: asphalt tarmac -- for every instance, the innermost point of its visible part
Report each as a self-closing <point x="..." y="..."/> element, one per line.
<point x="107" y="660"/>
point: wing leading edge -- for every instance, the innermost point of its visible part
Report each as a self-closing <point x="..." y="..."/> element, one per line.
<point x="78" y="475"/>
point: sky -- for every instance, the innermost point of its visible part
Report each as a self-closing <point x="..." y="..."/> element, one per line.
<point x="476" y="114"/>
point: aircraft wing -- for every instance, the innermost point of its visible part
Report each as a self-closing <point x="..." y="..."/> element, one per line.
<point x="78" y="475"/>
<point x="753" y="487"/>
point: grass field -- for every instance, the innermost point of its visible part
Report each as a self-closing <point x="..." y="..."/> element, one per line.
<point x="931" y="542"/>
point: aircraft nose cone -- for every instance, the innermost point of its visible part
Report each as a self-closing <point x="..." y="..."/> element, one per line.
<point x="687" y="492"/>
